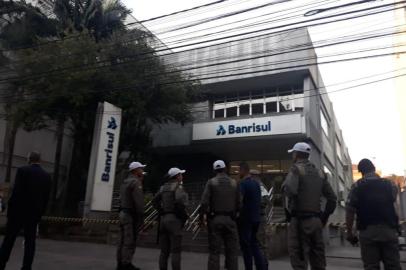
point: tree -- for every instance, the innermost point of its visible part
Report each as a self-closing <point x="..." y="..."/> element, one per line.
<point x="127" y="74"/>
<point x="24" y="26"/>
<point x="20" y="26"/>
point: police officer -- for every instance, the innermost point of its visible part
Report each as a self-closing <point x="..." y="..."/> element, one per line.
<point x="131" y="215"/>
<point x="265" y="205"/>
<point x="220" y="206"/>
<point x="171" y="201"/>
<point x="250" y="220"/>
<point x="304" y="187"/>
<point x="372" y="199"/>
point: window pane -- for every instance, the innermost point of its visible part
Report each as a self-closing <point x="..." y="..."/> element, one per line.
<point x="271" y="166"/>
<point x="285" y="165"/>
<point x="258" y="108"/>
<point x="219" y="113"/>
<point x="298" y="99"/>
<point x="324" y="123"/>
<point x="338" y="149"/>
<point x="271" y="107"/>
<point x="244" y="109"/>
<point x="232" y="112"/>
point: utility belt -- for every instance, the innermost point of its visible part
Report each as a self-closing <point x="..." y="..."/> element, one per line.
<point x="302" y="215"/>
<point x="223" y="213"/>
<point x="164" y="213"/>
<point x="362" y="227"/>
<point x="129" y="211"/>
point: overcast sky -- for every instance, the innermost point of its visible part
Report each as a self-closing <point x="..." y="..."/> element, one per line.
<point x="368" y="115"/>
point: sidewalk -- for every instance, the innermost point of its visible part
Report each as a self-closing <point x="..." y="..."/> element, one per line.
<point x="58" y="255"/>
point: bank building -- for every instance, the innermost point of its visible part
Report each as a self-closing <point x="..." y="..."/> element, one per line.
<point x="254" y="110"/>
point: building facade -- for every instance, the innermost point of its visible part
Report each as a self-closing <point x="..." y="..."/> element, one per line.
<point x="257" y="115"/>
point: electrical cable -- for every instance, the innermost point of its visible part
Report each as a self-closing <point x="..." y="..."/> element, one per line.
<point x="126" y="62"/>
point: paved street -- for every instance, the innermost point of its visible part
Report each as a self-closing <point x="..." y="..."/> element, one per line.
<point x="57" y="255"/>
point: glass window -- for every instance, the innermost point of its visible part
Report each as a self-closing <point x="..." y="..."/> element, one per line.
<point x="232" y="112"/>
<point x="271" y="166"/>
<point x="271" y="107"/>
<point x="258" y="108"/>
<point x="245" y="109"/>
<point x="285" y="165"/>
<point x="219" y="113"/>
<point x="298" y="99"/>
<point x="338" y="149"/>
<point x="327" y="170"/>
<point x="234" y="168"/>
<point x="324" y="123"/>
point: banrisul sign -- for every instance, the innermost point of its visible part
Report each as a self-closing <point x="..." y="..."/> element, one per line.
<point x="111" y="137"/>
<point x="244" y="129"/>
<point x="102" y="168"/>
<point x="250" y="127"/>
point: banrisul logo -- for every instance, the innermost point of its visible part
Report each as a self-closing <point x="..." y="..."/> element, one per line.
<point x="112" y="125"/>
<point x="247" y="129"/>
<point x="221" y="131"/>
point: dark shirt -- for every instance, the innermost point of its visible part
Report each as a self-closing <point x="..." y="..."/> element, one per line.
<point x="251" y="200"/>
<point x="373" y="198"/>
<point x="30" y="194"/>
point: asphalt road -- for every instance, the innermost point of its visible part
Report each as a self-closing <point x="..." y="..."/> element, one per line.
<point x="58" y="255"/>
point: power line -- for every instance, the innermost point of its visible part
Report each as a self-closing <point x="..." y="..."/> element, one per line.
<point x="125" y="41"/>
<point x="317" y="11"/>
<point x="291" y="67"/>
<point x="238" y="28"/>
<point x="223" y="16"/>
<point x="278" y="69"/>
<point x="257" y="31"/>
<point x="85" y="67"/>
<point x="183" y="11"/>
<point x="287" y="99"/>
<point x="129" y="24"/>
<point x="132" y="40"/>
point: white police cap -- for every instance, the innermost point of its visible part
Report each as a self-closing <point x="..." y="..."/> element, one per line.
<point x="301" y="147"/>
<point x="135" y="165"/>
<point x="219" y="164"/>
<point x="175" y="171"/>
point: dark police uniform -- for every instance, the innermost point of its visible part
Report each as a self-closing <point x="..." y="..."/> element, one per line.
<point x="221" y="202"/>
<point x="131" y="219"/>
<point x="304" y="187"/>
<point x="171" y="202"/>
<point x="249" y="222"/>
<point x="373" y="200"/>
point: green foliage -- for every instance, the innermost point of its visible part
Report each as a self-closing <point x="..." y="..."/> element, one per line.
<point x="96" y="59"/>
<point x="73" y="75"/>
<point x="21" y="24"/>
<point x="94" y="62"/>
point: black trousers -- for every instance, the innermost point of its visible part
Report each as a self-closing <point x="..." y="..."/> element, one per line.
<point x="250" y="246"/>
<point x="13" y="228"/>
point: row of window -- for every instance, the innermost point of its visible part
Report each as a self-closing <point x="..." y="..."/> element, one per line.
<point x="326" y="129"/>
<point x="257" y="104"/>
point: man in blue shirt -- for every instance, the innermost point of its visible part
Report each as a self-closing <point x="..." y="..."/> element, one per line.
<point x="250" y="219"/>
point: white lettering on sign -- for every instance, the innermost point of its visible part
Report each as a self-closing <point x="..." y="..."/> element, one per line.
<point x="262" y="126"/>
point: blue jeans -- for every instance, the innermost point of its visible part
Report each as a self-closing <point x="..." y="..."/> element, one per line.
<point x="250" y="246"/>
